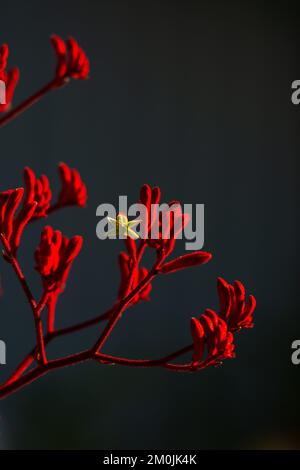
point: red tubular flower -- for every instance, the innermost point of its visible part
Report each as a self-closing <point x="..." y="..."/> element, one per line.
<point x="149" y="196"/>
<point x="186" y="261"/>
<point x="10" y="78"/>
<point x="233" y="306"/>
<point x="38" y="190"/>
<point x="212" y="330"/>
<point x="72" y="61"/>
<point x="36" y="202"/>
<point x="174" y="221"/>
<point x="12" y="226"/>
<point x="73" y="191"/>
<point x="129" y="281"/>
<point x="198" y="335"/>
<point x="54" y="257"/>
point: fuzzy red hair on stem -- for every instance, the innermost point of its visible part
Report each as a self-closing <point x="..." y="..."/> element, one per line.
<point x="212" y="333"/>
<point x="71" y="63"/>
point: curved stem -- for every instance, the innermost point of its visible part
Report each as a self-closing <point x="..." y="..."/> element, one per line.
<point x="20" y="378"/>
<point x="51" y="312"/>
<point x="39" y="371"/>
<point x="36" y="309"/>
<point x="10" y="115"/>
<point x="163" y="361"/>
<point x="17" y="383"/>
<point x="29" y="359"/>
<point x="13" y="261"/>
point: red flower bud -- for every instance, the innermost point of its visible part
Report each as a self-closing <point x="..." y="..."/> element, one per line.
<point x="73" y="191"/>
<point x="198" y="339"/>
<point x="186" y="261"/>
<point x="71" y="60"/>
<point x="11" y="226"/>
<point x="233" y="306"/>
<point x="38" y="190"/>
<point x="54" y="257"/>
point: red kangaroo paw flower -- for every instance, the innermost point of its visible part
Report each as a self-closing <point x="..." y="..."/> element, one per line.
<point x="11" y="226"/>
<point x="198" y="339"/>
<point x="72" y="61"/>
<point x="131" y="276"/>
<point x="61" y="56"/>
<point x="38" y="190"/>
<point x="161" y="228"/>
<point x="246" y="319"/>
<point x="149" y="196"/>
<point x="4" y="52"/>
<point x="73" y="190"/>
<point x="54" y="257"/>
<point x="12" y="204"/>
<point x="22" y="219"/>
<point x="233" y="306"/>
<point x="219" y="338"/>
<point x="10" y="78"/>
<point x="224" y="297"/>
<point x="186" y="261"/>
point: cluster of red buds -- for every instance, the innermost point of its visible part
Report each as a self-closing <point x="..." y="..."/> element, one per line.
<point x="34" y="202"/>
<point x="72" y="62"/>
<point x="216" y="331"/>
<point x="212" y="333"/>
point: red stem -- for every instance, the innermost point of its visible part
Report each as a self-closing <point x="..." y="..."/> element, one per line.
<point x="28" y="102"/>
<point x="26" y="363"/>
<point x="122" y="305"/>
<point x="18" y="380"/>
<point x="42" y="370"/>
<point x="36" y="309"/>
<point x="51" y="312"/>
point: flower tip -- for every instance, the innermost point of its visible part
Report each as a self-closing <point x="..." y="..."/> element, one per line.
<point x="194" y="321"/>
<point x="207" y="256"/>
<point x="19" y="191"/>
<point x="252" y="301"/>
<point x="56" y="39"/>
<point x="222" y="281"/>
<point x="4" y="48"/>
<point x="4" y="51"/>
<point x="77" y="242"/>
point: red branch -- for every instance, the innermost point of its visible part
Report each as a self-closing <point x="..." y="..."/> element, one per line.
<point x="71" y="63"/>
<point x="23" y="375"/>
<point x="27" y="103"/>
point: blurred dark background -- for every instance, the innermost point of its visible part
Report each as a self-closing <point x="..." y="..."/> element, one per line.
<point x="193" y="96"/>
